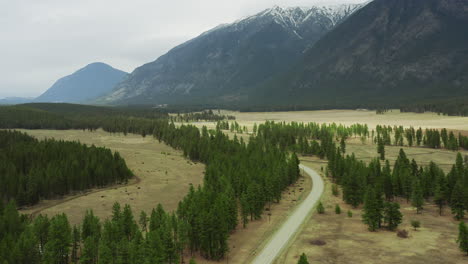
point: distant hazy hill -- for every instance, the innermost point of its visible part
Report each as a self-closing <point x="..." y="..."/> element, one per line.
<point x="15" y="100"/>
<point x="86" y="84"/>
<point x="227" y="63"/>
<point x="388" y="52"/>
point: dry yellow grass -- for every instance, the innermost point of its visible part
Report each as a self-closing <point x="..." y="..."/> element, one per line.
<point x="349" y="117"/>
<point x="348" y="240"/>
<point x="164" y="176"/>
<point x="164" y="173"/>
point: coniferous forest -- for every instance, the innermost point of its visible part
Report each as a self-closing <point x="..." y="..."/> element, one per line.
<point x="241" y="179"/>
<point x="31" y="170"/>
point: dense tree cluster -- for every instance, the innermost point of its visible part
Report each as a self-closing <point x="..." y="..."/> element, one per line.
<point x="70" y="116"/>
<point x="431" y="138"/>
<point x="239" y="177"/>
<point x="115" y="240"/>
<point x="453" y="107"/>
<point x="206" y="115"/>
<point x="31" y="170"/>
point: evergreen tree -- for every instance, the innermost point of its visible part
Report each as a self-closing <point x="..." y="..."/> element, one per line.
<point x="439" y="198"/>
<point x="143" y="220"/>
<point x="57" y="248"/>
<point x="417" y="199"/>
<point x="372" y="212"/>
<point x="457" y="201"/>
<point x="303" y="259"/>
<point x="463" y="237"/>
<point x="392" y="215"/>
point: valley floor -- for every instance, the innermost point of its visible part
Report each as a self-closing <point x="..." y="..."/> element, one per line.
<point x="164" y="176"/>
<point x="332" y="238"/>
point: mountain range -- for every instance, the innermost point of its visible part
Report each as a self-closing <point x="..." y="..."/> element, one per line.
<point x="390" y="52"/>
<point x="383" y="53"/>
<point x="84" y="85"/>
<point x="226" y="63"/>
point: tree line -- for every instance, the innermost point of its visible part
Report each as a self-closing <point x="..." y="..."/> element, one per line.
<point x="122" y="239"/>
<point x="431" y="138"/>
<point x="31" y="170"/>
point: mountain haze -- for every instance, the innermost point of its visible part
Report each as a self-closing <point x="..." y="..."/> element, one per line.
<point x="86" y="84"/>
<point x="226" y="63"/>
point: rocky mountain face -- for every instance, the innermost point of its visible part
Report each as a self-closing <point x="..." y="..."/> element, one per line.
<point x="389" y="52"/>
<point x="84" y="85"/>
<point x="226" y="63"/>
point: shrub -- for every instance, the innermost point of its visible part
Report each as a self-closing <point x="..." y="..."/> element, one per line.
<point x="337" y="209"/>
<point x="403" y="233"/>
<point x="415" y="224"/>
<point x="320" y="208"/>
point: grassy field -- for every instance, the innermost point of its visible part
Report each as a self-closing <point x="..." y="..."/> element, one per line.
<point x="349" y="117"/>
<point x="347" y="239"/>
<point x="164" y="176"/>
<point x="332" y="238"/>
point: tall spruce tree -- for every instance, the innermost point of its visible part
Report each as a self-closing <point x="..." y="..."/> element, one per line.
<point x="463" y="237"/>
<point x="417" y="199"/>
<point x="372" y="215"/>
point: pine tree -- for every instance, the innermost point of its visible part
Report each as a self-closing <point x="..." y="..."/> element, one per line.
<point x="372" y="213"/>
<point x="439" y="198"/>
<point x="143" y="220"/>
<point x="392" y="215"/>
<point x="463" y="237"/>
<point x="57" y="247"/>
<point x="343" y="145"/>
<point x="303" y="259"/>
<point x="381" y="148"/>
<point x="457" y="201"/>
<point x="417" y="199"/>
<point x="75" y="244"/>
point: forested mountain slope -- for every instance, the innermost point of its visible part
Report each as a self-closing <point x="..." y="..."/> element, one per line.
<point x="388" y="52"/>
<point x="226" y="63"/>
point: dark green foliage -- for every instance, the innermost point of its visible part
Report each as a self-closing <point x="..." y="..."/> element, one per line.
<point x="320" y="208"/>
<point x="462" y="239"/>
<point x="415" y="224"/>
<point x="303" y="259"/>
<point x="350" y="213"/>
<point x="31" y="170"/>
<point x="337" y="209"/>
<point x="392" y="215"/>
<point x="372" y="215"/>
<point x="417" y="199"/>
<point x="458" y="201"/>
<point x="335" y="190"/>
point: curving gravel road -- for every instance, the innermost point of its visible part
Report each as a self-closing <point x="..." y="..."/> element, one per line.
<point x="289" y="228"/>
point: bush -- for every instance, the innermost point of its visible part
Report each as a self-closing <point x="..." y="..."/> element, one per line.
<point x="337" y="209"/>
<point x="320" y="208"/>
<point x="403" y="233"/>
<point x="350" y="214"/>
<point x="335" y="190"/>
<point x="415" y="224"/>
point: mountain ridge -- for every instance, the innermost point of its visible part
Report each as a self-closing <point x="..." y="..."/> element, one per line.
<point x="226" y="62"/>
<point x="85" y="84"/>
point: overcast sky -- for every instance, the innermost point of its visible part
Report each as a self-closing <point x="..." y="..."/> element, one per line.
<point x="43" y="40"/>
